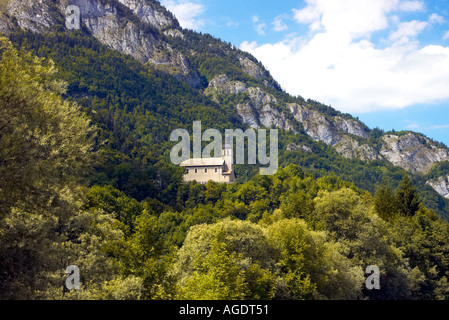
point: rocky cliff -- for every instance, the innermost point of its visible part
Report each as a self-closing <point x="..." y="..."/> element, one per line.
<point x="441" y="185"/>
<point x="134" y="27"/>
<point x="412" y="151"/>
<point x="260" y="107"/>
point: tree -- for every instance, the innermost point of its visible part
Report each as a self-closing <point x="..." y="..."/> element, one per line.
<point x="45" y="142"/>
<point x="115" y="202"/>
<point x="311" y="265"/>
<point x="226" y="260"/>
<point x="45" y="145"/>
<point x="213" y="191"/>
<point x="385" y="201"/>
<point x="148" y="257"/>
<point x="298" y="204"/>
<point x="216" y="277"/>
<point x="407" y="198"/>
<point x="351" y="221"/>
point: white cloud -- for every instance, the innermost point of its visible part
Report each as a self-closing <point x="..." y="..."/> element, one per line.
<point x="436" y="18"/>
<point x="232" y="24"/>
<point x="279" y="24"/>
<point x="413" y="126"/>
<point x="187" y="12"/>
<point x="446" y="35"/>
<point x="350" y="17"/>
<point x="411" y="6"/>
<point x="440" y="126"/>
<point x="407" y="30"/>
<point x="338" y="64"/>
<point x="258" y="25"/>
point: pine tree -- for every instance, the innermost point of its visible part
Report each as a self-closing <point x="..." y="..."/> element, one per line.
<point x="407" y="198"/>
<point x="385" y="201"/>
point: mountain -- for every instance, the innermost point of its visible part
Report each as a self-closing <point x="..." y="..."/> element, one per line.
<point x="88" y="186"/>
<point x="214" y="78"/>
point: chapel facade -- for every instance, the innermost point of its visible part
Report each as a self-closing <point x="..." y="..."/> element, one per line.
<point x="216" y="169"/>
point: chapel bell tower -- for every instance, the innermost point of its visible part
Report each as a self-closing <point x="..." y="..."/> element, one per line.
<point x="228" y="153"/>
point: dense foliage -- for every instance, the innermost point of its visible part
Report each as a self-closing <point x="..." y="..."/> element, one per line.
<point x="86" y="181"/>
<point x="136" y="107"/>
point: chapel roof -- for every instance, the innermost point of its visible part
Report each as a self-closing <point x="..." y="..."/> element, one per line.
<point x="199" y="162"/>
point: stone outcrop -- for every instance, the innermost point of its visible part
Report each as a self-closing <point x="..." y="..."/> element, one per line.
<point x="33" y="15"/>
<point x="328" y="130"/>
<point x="111" y="23"/>
<point x="353" y="149"/>
<point x="294" y="147"/>
<point x="412" y="153"/>
<point x="252" y="68"/>
<point x="351" y="126"/>
<point x="441" y="185"/>
<point x="221" y="85"/>
<point x="152" y="13"/>
<point x="259" y="109"/>
<point x="315" y="124"/>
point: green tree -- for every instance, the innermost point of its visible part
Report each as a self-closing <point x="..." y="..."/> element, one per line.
<point x="312" y="266"/>
<point x="407" y="197"/>
<point x="230" y="259"/>
<point x="115" y="202"/>
<point x="45" y="149"/>
<point x="385" y="201"/>
<point x="351" y="221"/>
<point x="298" y="204"/>
<point x="45" y="145"/>
<point x="146" y="256"/>
<point x="216" y="277"/>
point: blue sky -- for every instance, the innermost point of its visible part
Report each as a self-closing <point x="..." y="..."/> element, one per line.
<point x="385" y="61"/>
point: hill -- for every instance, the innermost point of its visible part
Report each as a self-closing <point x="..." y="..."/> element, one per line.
<point x="220" y="80"/>
<point x="105" y="196"/>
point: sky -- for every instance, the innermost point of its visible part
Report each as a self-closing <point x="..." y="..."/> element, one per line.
<point x="384" y="61"/>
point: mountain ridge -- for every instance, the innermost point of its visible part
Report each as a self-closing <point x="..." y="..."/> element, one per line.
<point x="148" y="32"/>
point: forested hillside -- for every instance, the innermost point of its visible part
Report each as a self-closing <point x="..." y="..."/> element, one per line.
<point x="136" y="108"/>
<point x="87" y="180"/>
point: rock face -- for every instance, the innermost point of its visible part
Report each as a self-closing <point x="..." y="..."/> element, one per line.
<point x="352" y="149"/>
<point x="252" y="68"/>
<point x="294" y="147"/>
<point x="128" y="26"/>
<point x="221" y="85"/>
<point x="259" y="109"/>
<point x="441" y="185"/>
<point x="33" y="15"/>
<point x="330" y="131"/>
<point x="315" y="124"/>
<point x="351" y="126"/>
<point x="151" y="13"/>
<point x="412" y="153"/>
<point x="102" y="20"/>
<point x="175" y="64"/>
